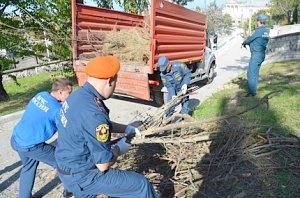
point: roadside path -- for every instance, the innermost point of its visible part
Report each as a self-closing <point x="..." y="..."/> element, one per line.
<point x="231" y="61"/>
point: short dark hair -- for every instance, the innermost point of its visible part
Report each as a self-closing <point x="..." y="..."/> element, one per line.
<point x="61" y="84"/>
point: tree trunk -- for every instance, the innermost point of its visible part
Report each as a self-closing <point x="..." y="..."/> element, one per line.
<point x="296" y="14"/>
<point x="3" y="94"/>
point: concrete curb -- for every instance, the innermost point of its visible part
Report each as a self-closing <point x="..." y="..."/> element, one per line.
<point x="11" y="117"/>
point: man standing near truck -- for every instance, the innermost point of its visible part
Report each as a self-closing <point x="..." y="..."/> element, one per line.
<point x="176" y="76"/>
<point x="258" y="44"/>
<point x="84" y="152"/>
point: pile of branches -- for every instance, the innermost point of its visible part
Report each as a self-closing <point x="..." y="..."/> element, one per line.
<point x="198" y="158"/>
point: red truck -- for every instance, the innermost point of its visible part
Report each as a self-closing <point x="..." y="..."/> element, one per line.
<point x="175" y="32"/>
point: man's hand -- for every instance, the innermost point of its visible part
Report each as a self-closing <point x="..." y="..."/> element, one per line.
<point x="123" y="146"/>
<point x="184" y="89"/>
<point x="131" y="130"/>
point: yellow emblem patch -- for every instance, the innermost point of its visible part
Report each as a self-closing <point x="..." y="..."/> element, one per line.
<point x="102" y="133"/>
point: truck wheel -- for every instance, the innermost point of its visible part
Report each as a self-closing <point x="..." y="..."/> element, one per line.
<point x="211" y="74"/>
<point x="160" y="98"/>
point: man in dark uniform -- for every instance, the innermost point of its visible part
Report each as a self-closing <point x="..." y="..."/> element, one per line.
<point x="84" y="152"/>
<point x="176" y="76"/>
<point x="258" y="43"/>
<point x="37" y="125"/>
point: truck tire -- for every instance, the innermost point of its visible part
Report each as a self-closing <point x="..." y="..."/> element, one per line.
<point x="160" y="98"/>
<point x="211" y="73"/>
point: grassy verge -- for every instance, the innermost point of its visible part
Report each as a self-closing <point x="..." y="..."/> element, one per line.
<point x="255" y="166"/>
<point x="282" y="110"/>
<point x="27" y="87"/>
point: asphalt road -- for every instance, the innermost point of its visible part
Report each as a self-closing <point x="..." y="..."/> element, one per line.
<point x="231" y="61"/>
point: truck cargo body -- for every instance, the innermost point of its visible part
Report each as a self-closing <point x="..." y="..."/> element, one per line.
<point x="175" y="32"/>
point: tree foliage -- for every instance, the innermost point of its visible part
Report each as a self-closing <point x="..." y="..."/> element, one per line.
<point x="217" y="22"/>
<point x="133" y="6"/>
<point x="285" y="12"/>
<point x="182" y="2"/>
<point x="24" y="26"/>
<point x="104" y="3"/>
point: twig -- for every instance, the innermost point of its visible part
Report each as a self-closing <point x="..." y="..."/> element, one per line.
<point x="199" y="123"/>
<point x="196" y="138"/>
<point x="195" y="182"/>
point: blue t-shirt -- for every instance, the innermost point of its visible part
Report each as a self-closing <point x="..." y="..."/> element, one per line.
<point x="39" y="121"/>
<point x="83" y="132"/>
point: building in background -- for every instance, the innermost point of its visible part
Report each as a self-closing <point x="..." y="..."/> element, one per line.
<point x="241" y="11"/>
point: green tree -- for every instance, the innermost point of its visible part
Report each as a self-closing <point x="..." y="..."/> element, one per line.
<point x="24" y="24"/>
<point x="182" y="2"/>
<point x="104" y="3"/>
<point x="198" y="9"/>
<point x="297" y="12"/>
<point x="134" y="6"/>
<point x="217" y="22"/>
<point x="226" y="24"/>
<point x="284" y="11"/>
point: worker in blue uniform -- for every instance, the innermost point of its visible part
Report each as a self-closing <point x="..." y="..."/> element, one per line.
<point x="258" y="43"/>
<point x="37" y="125"/>
<point x="84" y="151"/>
<point x="176" y="76"/>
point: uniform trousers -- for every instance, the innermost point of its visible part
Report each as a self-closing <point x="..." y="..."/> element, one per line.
<point x="184" y="104"/>
<point x="253" y="71"/>
<point x="112" y="183"/>
<point x="30" y="158"/>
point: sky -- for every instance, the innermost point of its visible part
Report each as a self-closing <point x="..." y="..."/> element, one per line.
<point x="195" y="3"/>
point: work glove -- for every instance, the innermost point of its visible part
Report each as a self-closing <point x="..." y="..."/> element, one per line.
<point x="133" y="130"/>
<point x="184" y="89"/>
<point x="123" y="146"/>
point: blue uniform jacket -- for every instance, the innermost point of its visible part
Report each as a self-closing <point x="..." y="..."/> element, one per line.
<point x="179" y="75"/>
<point x="39" y="121"/>
<point x="258" y="40"/>
<point x="83" y="132"/>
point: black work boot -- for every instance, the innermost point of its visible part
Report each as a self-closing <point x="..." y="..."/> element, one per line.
<point x="250" y="95"/>
<point x="67" y="194"/>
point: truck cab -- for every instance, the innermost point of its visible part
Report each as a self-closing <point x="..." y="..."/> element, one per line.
<point x="205" y="68"/>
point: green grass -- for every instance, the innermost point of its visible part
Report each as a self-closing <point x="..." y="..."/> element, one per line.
<point x="284" y="180"/>
<point x="283" y="109"/>
<point x="27" y="88"/>
<point x="276" y="174"/>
